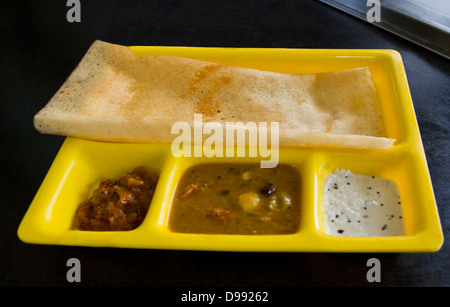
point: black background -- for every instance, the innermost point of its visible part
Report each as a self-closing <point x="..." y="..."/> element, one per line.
<point x="39" y="49"/>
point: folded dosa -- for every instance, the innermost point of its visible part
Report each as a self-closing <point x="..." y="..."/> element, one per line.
<point x="117" y="96"/>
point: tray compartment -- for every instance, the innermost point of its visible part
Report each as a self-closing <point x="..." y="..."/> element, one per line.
<point x="401" y="166"/>
<point x="73" y="176"/>
<point x="298" y="158"/>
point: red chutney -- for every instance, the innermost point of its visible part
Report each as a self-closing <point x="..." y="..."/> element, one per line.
<point x="118" y="205"/>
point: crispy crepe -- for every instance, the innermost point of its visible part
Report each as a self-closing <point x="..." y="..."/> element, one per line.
<point x="117" y="96"/>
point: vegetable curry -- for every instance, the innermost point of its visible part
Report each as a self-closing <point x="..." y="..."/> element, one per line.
<point x="237" y="199"/>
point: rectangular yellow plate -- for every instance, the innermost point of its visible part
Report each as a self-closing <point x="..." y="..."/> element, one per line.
<point x="81" y="164"/>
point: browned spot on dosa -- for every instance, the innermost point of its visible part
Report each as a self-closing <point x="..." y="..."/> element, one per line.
<point x="203" y="88"/>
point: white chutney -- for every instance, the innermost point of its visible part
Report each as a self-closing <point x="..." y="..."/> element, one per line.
<point x="362" y="206"/>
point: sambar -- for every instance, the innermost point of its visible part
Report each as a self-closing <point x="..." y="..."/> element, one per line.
<point x="224" y="198"/>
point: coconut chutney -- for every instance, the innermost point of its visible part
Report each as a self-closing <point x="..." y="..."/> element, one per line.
<point x="362" y="206"/>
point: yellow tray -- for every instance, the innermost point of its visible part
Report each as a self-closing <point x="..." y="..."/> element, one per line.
<point x="81" y="164"/>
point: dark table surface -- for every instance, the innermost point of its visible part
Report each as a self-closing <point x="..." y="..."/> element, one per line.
<point x="39" y="49"/>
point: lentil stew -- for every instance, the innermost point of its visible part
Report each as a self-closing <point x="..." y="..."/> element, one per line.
<point x="237" y="199"/>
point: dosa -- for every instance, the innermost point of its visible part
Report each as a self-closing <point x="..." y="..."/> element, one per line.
<point x="115" y="95"/>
